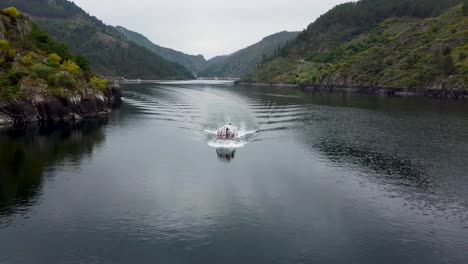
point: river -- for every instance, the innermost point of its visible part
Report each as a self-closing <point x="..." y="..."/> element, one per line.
<point x="314" y="178"/>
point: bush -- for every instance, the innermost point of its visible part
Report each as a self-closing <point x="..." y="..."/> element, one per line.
<point x="462" y="56"/>
<point x="83" y="62"/>
<point x="448" y="65"/>
<point x="54" y="59"/>
<point x="61" y="80"/>
<point x="41" y="71"/>
<point x="28" y="58"/>
<point x="4" y="45"/>
<point x="99" y="83"/>
<point x="70" y="66"/>
<point x="15" y="77"/>
<point x="11" y="12"/>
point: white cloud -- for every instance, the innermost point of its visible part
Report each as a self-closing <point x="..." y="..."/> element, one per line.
<point x="208" y="27"/>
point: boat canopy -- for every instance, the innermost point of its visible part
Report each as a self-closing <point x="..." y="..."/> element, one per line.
<point x="227" y="132"/>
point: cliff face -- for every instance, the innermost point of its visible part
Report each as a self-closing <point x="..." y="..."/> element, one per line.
<point x="43" y="107"/>
<point x="41" y="81"/>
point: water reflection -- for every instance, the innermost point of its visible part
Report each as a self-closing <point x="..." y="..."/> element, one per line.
<point x="26" y="154"/>
<point x="226" y="154"/>
<point x="411" y="161"/>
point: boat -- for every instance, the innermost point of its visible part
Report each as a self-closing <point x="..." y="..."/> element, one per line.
<point x="228" y="132"/>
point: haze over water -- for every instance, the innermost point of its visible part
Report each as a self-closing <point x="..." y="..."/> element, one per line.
<point x="312" y="179"/>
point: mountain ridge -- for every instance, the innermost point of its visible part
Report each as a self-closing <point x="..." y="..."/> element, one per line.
<point x="193" y="63"/>
<point x="109" y="52"/>
<point x="243" y="61"/>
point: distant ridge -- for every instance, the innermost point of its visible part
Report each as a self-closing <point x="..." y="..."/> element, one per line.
<point x="246" y="60"/>
<point x="193" y="63"/>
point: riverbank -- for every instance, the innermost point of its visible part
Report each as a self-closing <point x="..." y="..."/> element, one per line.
<point x="368" y="90"/>
<point x="44" y="108"/>
<point x="42" y="81"/>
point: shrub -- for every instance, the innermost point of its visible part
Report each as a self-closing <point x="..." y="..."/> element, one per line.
<point x="70" y="66"/>
<point x="11" y="53"/>
<point x="83" y="62"/>
<point x="448" y="65"/>
<point x="41" y="71"/>
<point x="15" y="77"/>
<point x="99" y="83"/>
<point x="27" y="59"/>
<point x="54" y="59"/>
<point x="11" y="12"/>
<point x="462" y="56"/>
<point x="4" y="45"/>
<point x="61" y="80"/>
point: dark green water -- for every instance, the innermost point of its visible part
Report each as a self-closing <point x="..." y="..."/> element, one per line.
<point x="314" y="179"/>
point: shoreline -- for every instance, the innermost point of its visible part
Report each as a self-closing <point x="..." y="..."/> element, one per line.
<point x="367" y="90"/>
<point x="46" y="109"/>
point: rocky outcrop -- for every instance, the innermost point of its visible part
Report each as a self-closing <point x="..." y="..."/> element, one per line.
<point x="48" y="108"/>
<point x="21" y="26"/>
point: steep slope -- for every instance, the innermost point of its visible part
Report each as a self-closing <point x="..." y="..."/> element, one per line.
<point x="377" y="43"/>
<point x="191" y="62"/>
<point x="217" y="59"/>
<point x="246" y="60"/>
<point x="41" y="80"/>
<point x="109" y="52"/>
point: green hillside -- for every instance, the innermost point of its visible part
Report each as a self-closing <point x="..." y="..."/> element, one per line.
<point x="217" y="59"/>
<point x="246" y="60"/>
<point x="420" y="43"/>
<point x="109" y="52"/>
<point x="191" y="62"/>
<point x="32" y="62"/>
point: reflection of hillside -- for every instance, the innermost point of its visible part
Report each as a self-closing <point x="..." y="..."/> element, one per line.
<point x="26" y="153"/>
<point x="401" y="172"/>
<point x="420" y="186"/>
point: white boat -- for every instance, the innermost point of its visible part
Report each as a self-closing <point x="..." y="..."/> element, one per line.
<point x="227" y="131"/>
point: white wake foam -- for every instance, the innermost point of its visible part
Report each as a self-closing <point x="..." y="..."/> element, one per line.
<point x="241" y="141"/>
<point x="227" y="144"/>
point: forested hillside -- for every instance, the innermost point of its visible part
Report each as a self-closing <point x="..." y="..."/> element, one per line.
<point x="191" y="62"/>
<point x="417" y="43"/>
<point x="41" y="80"/>
<point x="109" y="52"/>
<point x="246" y="60"/>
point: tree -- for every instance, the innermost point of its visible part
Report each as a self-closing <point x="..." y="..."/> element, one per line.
<point x="83" y="63"/>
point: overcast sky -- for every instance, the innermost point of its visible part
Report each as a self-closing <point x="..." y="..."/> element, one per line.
<point x="208" y="27"/>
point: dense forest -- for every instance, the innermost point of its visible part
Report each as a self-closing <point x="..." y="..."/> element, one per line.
<point x="420" y="43"/>
<point x="109" y="52"/>
<point x="193" y="63"/>
<point x="246" y="60"/>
